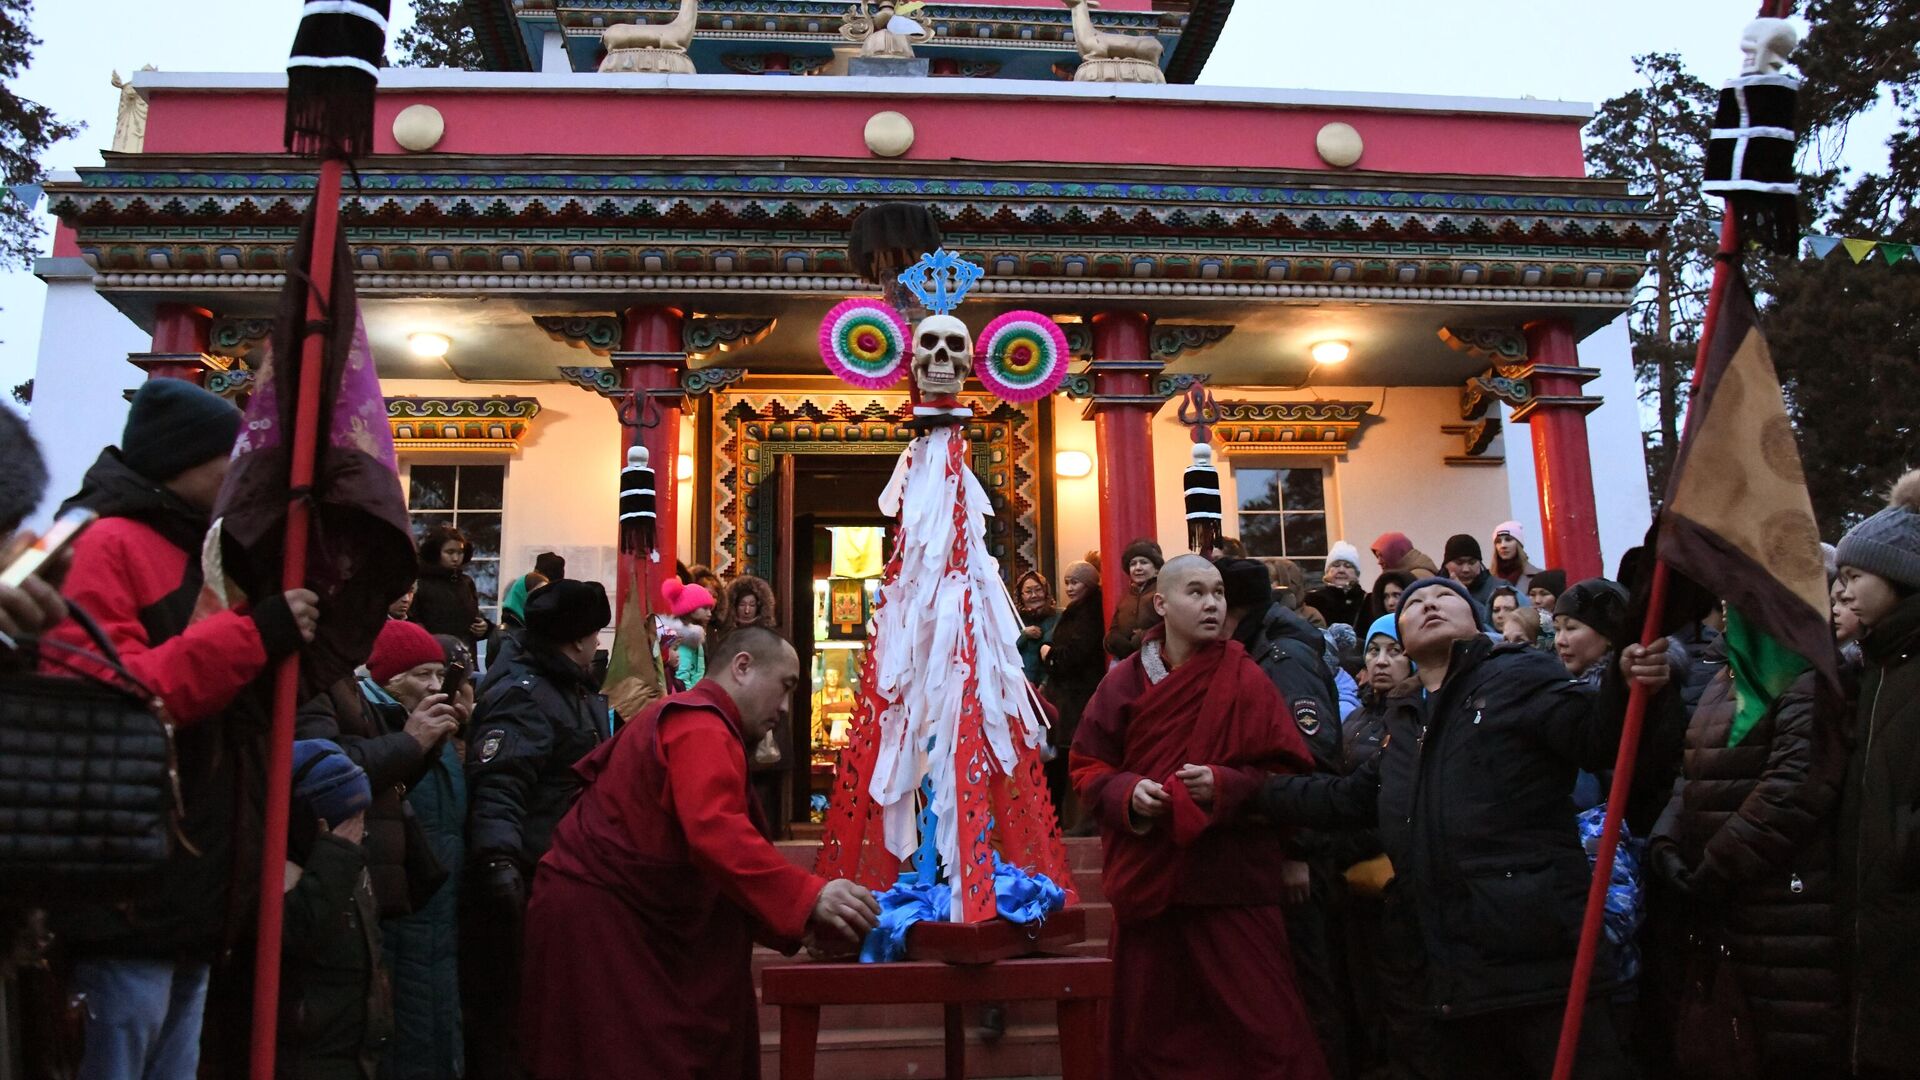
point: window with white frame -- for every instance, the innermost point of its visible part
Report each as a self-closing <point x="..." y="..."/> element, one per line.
<point x="471" y="498"/>
<point x="1282" y="511"/>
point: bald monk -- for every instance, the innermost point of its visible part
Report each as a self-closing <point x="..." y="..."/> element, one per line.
<point x="1171" y="753"/>
<point x="644" y="912"/>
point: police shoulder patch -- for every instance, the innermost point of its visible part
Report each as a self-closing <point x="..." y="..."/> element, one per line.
<point x="1306" y="713"/>
<point x="490" y="745"/>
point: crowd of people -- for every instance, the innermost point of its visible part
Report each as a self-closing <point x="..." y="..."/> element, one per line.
<point x="1347" y="825"/>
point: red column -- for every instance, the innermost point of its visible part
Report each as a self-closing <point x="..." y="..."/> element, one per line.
<point x="178" y="330"/>
<point x="1563" y="465"/>
<point x="1123" y="408"/>
<point x="653" y="356"/>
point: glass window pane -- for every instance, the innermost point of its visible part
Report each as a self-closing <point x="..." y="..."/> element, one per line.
<point x="480" y="486"/>
<point x="483" y="531"/>
<point x="424" y="522"/>
<point x="1303" y="490"/>
<point x="1306" y="535"/>
<point x="430" y="487"/>
<point x="1258" y="489"/>
<point x="486" y="581"/>
<point x="1261" y="534"/>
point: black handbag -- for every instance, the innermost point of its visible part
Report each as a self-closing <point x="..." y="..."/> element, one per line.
<point x="89" y="786"/>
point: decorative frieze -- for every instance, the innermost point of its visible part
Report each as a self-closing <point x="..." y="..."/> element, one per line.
<point x="466" y="424"/>
<point x="1288" y="427"/>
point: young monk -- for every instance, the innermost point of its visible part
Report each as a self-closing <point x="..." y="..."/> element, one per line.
<point x="1175" y="744"/>
<point x="644" y="913"/>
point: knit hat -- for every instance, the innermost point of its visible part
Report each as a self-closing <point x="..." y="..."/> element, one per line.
<point x="1511" y="528"/>
<point x="1249" y="585"/>
<point x="682" y="599"/>
<point x="24" y="479"/>
<point x="401" y="647"/>
<point x="1142" y="549"/>
<point x="550" y="565"/>
<point x="1344" y="552"/>
<point x="1554" y="581"/>
<point x="1461" y="546"/>
<point x="1599" y="603"/>
<point x="1436" y="582"/>
<point x="326" y="783"/>
<point x="568" y="610"/>
<point x="1385" y="624"/>
<point x="174" y="426"/>
<point x="1888" y="543"/>
<point x="1390" y="548"/>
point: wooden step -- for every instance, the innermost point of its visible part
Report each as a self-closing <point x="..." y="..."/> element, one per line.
<point x="919" y="1053"/>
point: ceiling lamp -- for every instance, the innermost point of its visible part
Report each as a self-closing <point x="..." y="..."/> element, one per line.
<point x="683" y="468"/>
<point x="429" y="346"/>
<point x="1072" y="464"/>
<point x="1330" y="352"/>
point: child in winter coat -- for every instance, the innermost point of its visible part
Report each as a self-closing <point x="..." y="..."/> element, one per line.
<point x="683" y="633"/>
<point x="335" y="1009"/>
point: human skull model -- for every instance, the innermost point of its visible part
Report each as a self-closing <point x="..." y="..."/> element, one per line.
<point x="942" y="355"/>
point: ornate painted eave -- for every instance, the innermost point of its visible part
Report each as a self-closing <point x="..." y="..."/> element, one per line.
<point x="437" y="424"/>
<point x="1289" y="427"/>
<point x="579" y="222"/>
<point x="702" y="336"/>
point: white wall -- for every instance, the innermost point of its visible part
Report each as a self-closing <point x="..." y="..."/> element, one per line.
<point x="1394" y="478"/>
<point x="82" y="369"/>
<point x="562" y="488"/>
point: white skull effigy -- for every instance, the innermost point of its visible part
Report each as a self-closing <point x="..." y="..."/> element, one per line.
<point x="942" y="355"/>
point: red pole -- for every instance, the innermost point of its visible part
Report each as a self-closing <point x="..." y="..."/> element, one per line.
<point x="1123" y="445"/>
<point x="293" y="575"/>
<point x="1636" y="710"/>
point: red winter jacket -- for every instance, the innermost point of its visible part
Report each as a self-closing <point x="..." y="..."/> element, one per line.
<point x="137" y="572"/>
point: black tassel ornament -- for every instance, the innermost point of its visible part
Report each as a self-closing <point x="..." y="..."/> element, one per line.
<point x="332" y="75"/>
<point x="1750" y="159"/>
<point x="637" y="518"/>
<point x="1202" y="480"/>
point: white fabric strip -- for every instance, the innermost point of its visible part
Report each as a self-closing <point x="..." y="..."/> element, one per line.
<point x="332" y="62"/>
<point x="345" y="7"/>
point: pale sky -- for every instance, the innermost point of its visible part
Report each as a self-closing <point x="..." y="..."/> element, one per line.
<point x="1551" y="49"/>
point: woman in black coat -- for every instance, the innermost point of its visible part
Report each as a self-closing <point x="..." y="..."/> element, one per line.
<point x="445" y="600"/>
<point x="1744" y="857"/>
<point x="1076" y="661"/>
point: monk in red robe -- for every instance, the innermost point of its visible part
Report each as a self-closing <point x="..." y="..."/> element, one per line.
<point x="640" y="930"/>
<point x="1170" y="752"/>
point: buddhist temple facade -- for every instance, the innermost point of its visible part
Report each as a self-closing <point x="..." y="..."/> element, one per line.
<point x="1406" y="309"/>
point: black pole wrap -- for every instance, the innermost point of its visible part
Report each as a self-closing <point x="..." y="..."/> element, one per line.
<point x="332" y="75"/>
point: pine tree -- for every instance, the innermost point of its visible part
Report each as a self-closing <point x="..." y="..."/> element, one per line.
<point x="441" y="36"/>
<point x="27" y="130"/>
<point x="1846" y="337"/>
<point x="1654" y="137"/>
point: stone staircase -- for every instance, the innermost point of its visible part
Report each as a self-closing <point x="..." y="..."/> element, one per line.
<point x="905" y="1042"/>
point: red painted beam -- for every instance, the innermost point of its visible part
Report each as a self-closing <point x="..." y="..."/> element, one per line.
<point x="1563" y="464"/>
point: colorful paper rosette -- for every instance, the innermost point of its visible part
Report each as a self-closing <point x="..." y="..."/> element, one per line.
<point x="1021" y="356"/>
<point x="866" y="342"/>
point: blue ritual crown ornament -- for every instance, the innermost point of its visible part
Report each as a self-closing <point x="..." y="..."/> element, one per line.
<point x="941" y="280"/>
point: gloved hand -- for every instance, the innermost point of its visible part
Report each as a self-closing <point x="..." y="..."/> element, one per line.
<point x="1671" y="867"/>
<point x="502" y="884"/>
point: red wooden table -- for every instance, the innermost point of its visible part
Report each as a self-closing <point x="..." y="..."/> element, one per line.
<point x="1077" y="983"/>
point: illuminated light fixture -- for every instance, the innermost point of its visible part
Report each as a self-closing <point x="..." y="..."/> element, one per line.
<point x="1072" y="464"/>
<point x="683" y="468"/>
<point x="429" y="346"/>
<point x="1330" y="352"/>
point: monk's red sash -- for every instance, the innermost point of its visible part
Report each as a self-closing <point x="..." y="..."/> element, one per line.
<point x="1217" y="709"/>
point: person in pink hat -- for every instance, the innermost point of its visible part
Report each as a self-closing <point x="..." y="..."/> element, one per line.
<point x="683" y="633"/>
<point x="1510" y="562"/>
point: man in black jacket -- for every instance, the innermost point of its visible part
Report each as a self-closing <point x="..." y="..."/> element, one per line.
<point x="1474" y="812"/>
<point x="538" y="713"/>
<point x="1292" y="653"/>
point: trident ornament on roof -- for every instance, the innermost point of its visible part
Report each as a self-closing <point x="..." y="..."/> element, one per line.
<point x="941" y="280"/>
